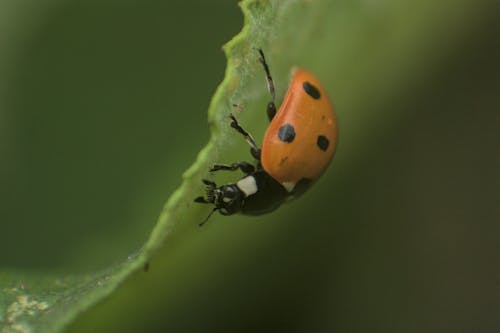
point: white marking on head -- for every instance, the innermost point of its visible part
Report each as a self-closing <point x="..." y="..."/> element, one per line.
<point x="247" y="185"/>
<point x="289" y="186"/>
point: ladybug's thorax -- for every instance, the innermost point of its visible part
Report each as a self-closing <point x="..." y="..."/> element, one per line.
<point x="247" y="185"/>
<point x="265" y="194"/>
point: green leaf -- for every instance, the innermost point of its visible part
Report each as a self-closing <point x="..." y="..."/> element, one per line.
<point x="361" y="51"/>
<point x="44" y="302"/>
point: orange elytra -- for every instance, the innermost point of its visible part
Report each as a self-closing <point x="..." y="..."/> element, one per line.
<point x="302" y="137"/>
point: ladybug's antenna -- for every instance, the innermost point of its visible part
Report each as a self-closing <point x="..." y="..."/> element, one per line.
<point x="206" y="219"/>
<point x="271" y="106"/>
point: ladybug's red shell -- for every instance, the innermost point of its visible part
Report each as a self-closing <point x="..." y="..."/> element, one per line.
<point x="301" y="139"/>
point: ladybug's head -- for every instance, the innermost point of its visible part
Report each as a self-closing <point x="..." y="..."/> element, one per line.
<point x="227" y="199"/>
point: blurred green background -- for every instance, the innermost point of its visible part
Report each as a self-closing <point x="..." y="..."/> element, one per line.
<point x="103" y="106"/>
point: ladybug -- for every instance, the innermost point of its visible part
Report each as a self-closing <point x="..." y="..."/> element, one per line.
<point x="297" y="147"/>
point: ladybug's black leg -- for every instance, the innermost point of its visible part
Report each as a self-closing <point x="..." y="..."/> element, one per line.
<point x="202" y="200"/>
<point x="210" y="184"/>
<point x="246" y="167"/>
<point x="254" y="150"/>
<point x="271" y="106"/>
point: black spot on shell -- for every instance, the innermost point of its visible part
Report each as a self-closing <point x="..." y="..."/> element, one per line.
<point x="311" y="90"/>
<point x="323" y="142"/>
<point x="286" y="133"/>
